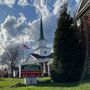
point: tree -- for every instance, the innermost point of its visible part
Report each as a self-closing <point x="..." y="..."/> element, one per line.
<point x="68" y="52"/>
<point x="12" y="56"/>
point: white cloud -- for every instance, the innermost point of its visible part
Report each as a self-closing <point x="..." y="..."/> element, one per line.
<point x="13" y="27"/>
<point x="23" y="2"/>
<point x="57" y="5"/>
<point x="41" y="7"/>
<point x="18" y="29"/>
<point x="78" y="1"/>
<point x="49" y="20"/>
<point x="8" y="3"/>
<point x="21" y="19"/>
<point x="7" y="26"/>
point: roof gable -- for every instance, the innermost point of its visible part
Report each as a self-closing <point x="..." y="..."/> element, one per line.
<point x="41" y="57"/>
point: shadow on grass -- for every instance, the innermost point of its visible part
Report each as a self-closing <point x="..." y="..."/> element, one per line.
<point x="48" y="83"/>
<point x="85" y="81"/>
<point x="1" y="87"/>
<point x="2" y="79"/>
<point x="18" y="85"/>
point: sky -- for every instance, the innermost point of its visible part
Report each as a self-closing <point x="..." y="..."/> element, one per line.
<point x="19" y="19"/>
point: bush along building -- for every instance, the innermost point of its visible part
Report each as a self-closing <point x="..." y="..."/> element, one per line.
<point x="42" y="53"/>
<point x="82" y="19"/>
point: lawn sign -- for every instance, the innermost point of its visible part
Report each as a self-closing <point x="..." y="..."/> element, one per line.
<point x="30" y="72"/>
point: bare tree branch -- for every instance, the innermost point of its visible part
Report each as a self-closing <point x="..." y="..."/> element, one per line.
<point x="12" y="56"/>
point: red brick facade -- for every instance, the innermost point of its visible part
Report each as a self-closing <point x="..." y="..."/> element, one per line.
<point x="84" y="27"/>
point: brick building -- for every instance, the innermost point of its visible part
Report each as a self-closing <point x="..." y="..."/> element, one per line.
<point x="83" y="22"/>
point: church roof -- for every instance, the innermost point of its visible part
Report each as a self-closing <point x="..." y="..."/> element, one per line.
<point x="82" y="8"/>
<point x="41" y="30"/>
<point x="41" y="57"/>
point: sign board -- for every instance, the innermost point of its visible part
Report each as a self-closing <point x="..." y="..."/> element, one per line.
<point x="31" y="70"/>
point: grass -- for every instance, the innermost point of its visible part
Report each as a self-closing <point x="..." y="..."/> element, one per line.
<point x="43" y="84"/>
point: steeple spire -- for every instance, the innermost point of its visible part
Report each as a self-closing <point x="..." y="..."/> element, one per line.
<point x="41" y="30"/>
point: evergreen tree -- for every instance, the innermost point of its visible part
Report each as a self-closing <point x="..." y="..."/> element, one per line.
<point x="68" y="52"/>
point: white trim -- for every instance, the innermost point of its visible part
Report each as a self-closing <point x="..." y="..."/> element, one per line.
<point x="50" y="62"/>
<point x="80" y="3"/>
<point x="84" y="6"/>
<point x="78" y="10"/>
<point x="44" y="67"/>
<point x="82" y="10"/>
<point x="19" y="70"/>
<point x="29" y="61"/>
<point x="78" y="7"/>
<point x="48" y="70"/>
<point x="38" y="61"/>
<point x="43" y="60"/>
<point x="33" y="57"/>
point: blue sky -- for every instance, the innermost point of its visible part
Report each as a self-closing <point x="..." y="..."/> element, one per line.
<point x="19" y="19"/>
<point x="28" y="10"/>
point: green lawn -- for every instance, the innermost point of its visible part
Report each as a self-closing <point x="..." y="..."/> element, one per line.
<point x="44" y="84"/>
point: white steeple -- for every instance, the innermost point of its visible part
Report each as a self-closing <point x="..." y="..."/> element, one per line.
<point x="42" y="48"/>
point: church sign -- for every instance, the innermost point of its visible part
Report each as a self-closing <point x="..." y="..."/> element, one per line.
<point x="31" y="70"/>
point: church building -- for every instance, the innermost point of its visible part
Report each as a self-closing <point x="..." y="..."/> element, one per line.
<point x="42" y="53"/>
